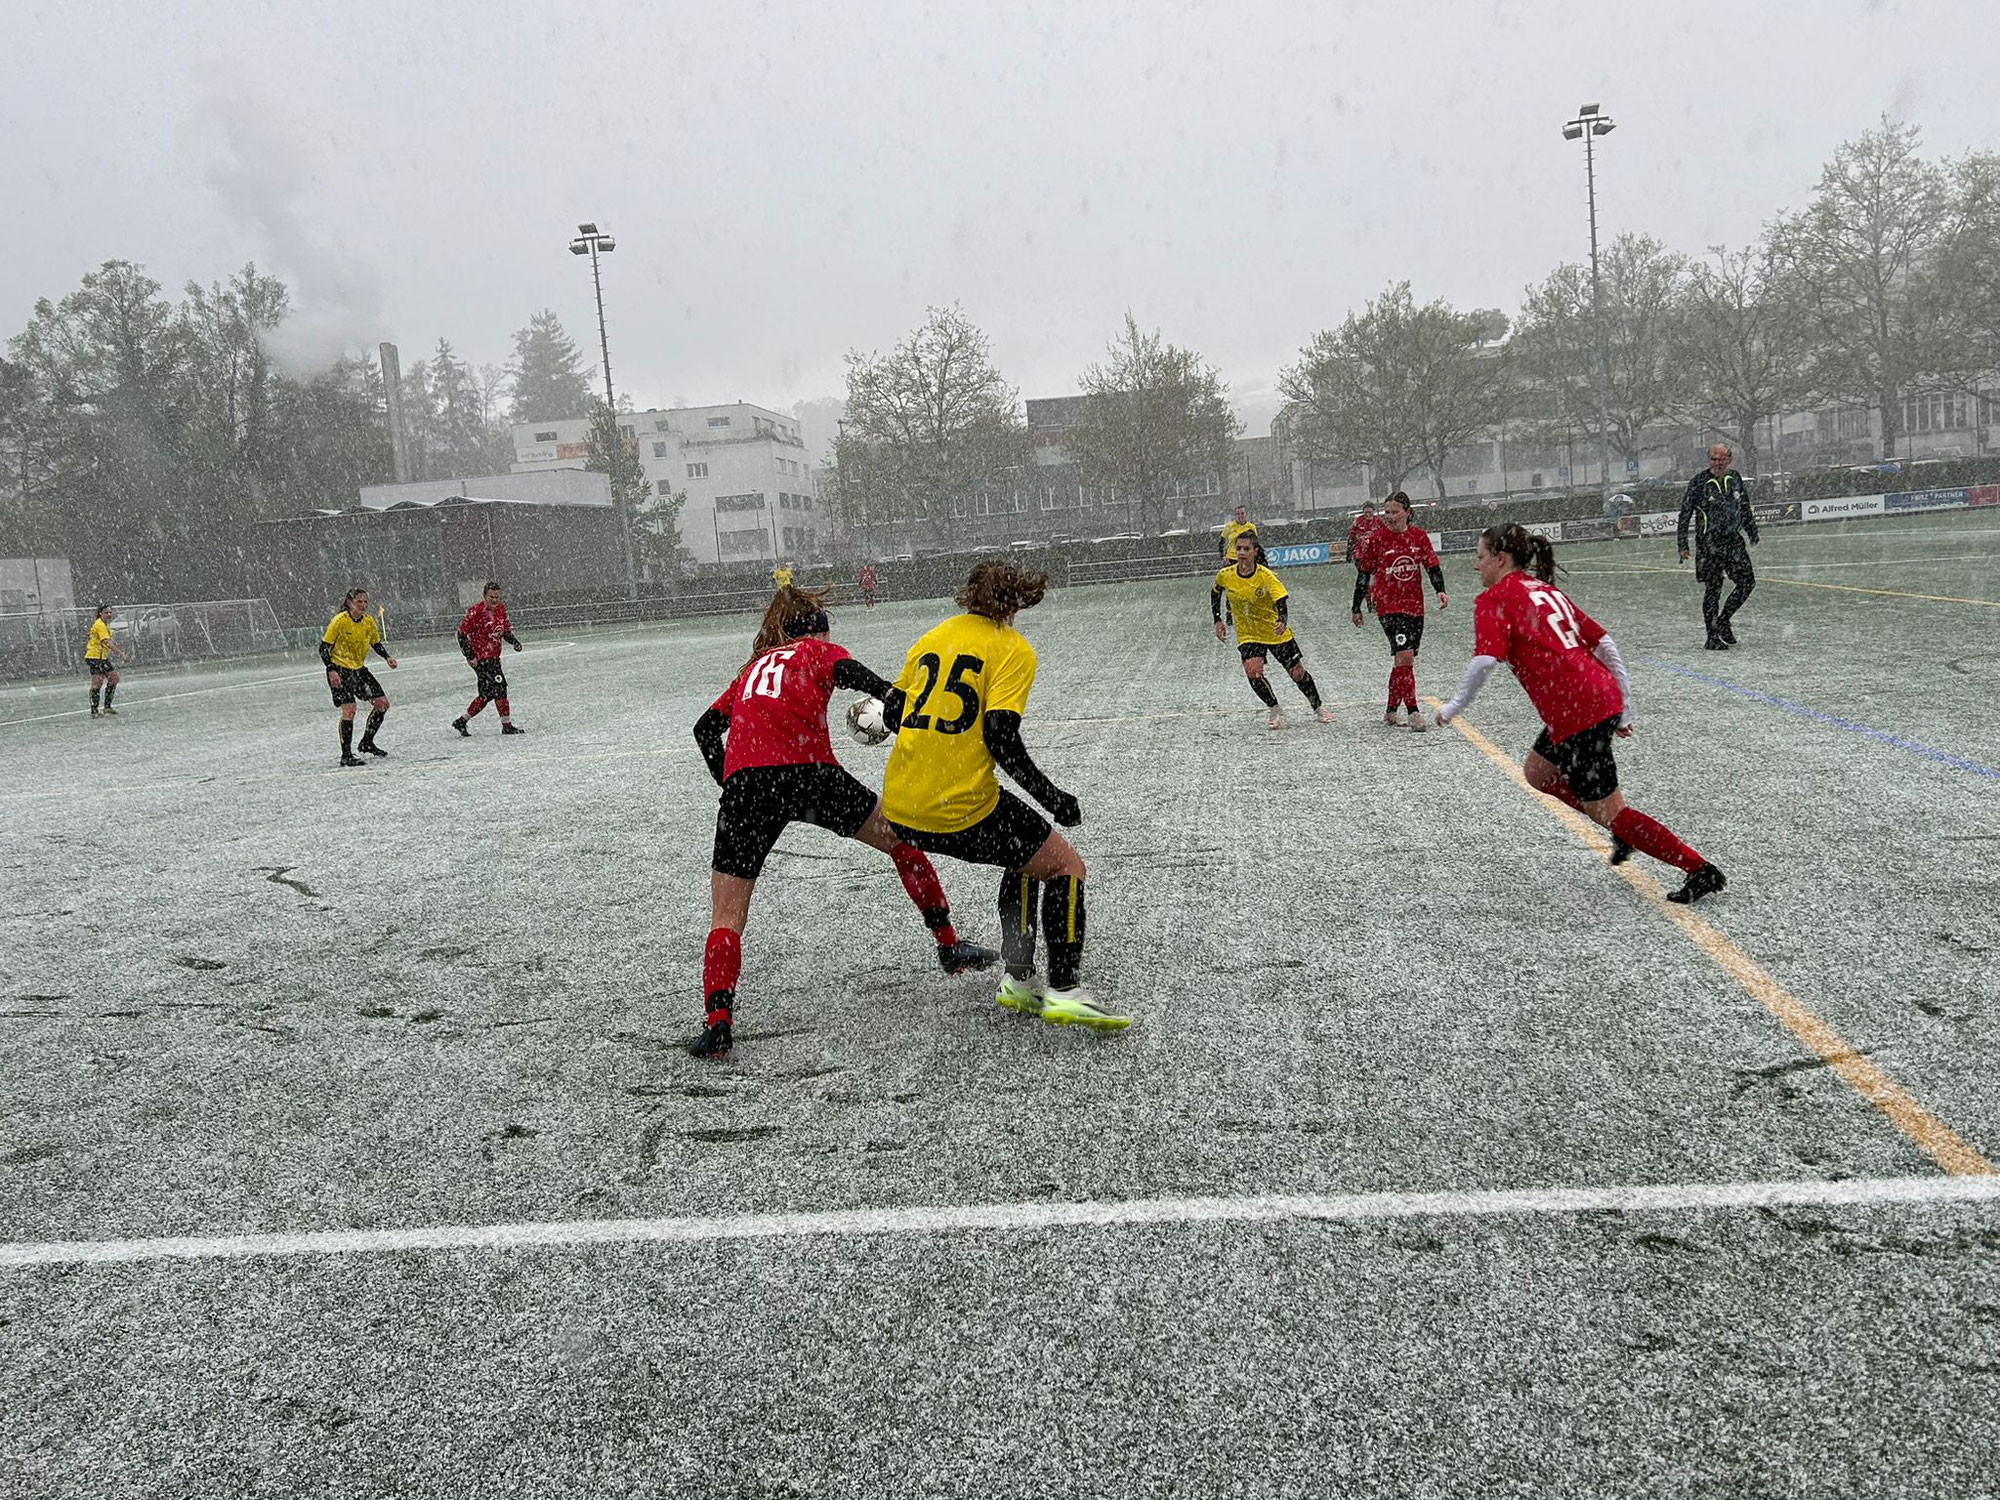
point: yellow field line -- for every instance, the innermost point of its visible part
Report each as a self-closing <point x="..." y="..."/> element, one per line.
<point x="1843" y="588"/>
<point x="1938" y="1140"/>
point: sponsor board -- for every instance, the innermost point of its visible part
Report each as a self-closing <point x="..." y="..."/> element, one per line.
<point x="1457" y="541"/>
<point x="1840" y="509"/>
<point x="1553" y="530"/>
<point x="1589" y="531"/>
<point x="1777" y="513"/>
<point x="1925" y="500"/>
<point x="580" y="450"/>
<point x="1301" y="554"/>
<point x="1985" y="494"/>
<point x="1659" y="523"/>
<point x="1628" y="525"/>
<point x="540" y="453"/>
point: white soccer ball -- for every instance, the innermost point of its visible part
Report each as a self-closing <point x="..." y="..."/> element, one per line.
<point x="865" y="721"/>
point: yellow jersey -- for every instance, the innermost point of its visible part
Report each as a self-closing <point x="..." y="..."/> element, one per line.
<point x="98" y="647"/>
<point x="1253" y="605"/>
<point x="940" y="775"/>
<point x="351" y="638"/>
<point x="1231" y="532"/>
<point x="781" y="577"/>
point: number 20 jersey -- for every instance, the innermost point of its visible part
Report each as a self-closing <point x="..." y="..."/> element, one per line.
<point x="1536" y="629"/>
<point x="940" y="775"/>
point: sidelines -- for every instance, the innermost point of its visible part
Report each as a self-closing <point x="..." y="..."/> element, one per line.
<point x="1031" y="1217"/>
<point x="1844" y="588"/>
<point x="1937" y="1139"/>
<point x="1915" y="747"/>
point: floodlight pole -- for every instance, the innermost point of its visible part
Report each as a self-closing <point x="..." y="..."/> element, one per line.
<point x="589" y="241"/>
<point x="1590" y="123"/>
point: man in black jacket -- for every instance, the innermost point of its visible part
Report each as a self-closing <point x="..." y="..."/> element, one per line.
<point x="1725" y="528"/>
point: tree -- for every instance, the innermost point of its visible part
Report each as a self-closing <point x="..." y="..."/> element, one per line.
<point x="1154" y="418"/>
<point x="938" y="421"/>
<point x="1865" y="266"/>
<point x="617" y="456"/>
<point x="1744" y="350"/>
<point x="1970" y="264"/>
<point x="1555" y="347"/>
<point x="548" y="382"/>
<point x="1397" y="388"/>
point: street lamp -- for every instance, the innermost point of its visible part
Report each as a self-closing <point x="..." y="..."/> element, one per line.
<point x="591" y="241"/>
<point x="1589" y="124"/>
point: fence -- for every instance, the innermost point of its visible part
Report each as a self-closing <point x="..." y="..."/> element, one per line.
<point x="49" y="642"/>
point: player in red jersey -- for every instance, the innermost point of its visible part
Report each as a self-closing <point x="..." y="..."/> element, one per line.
<point x="866" y="578"/>
<point x="480" y="635"/>
<point x="1572" y="673"/>
<point x="1390" y="575"/>
<point x="766" y="745"/>
<point x="1364" y="525"/>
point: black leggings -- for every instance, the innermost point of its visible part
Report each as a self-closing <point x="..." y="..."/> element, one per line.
<point x="1714" y="568"/>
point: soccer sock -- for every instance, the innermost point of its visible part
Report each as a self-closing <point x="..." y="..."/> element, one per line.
<point x="1560" y="790"/>
<point x="96" y="689"/>
<point x="375" y="718"/>
<point x="346" y="736"/>
<point x="1650" y="836"/>
<point x="472" y="708"/>
<point x="1019" y="899"/>
<point x="109" y="689"/>
<point x="920" y="880"/>
<point x="1310" y="689"/>
<point x="1062" y="925"/>
<point x="1402" y="687"/>
<point x="501" y="704"/>
<point x="721" y="964"/>
<point x="1263" y="691"/>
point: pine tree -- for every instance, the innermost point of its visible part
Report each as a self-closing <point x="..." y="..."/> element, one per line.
<point x="548" y="381"/>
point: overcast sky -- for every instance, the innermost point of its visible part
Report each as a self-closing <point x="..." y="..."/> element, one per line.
<point x="788" y="182"/>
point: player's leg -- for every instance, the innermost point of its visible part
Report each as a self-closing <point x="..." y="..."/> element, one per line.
<point x="1709" y="573"/>
<point x="96" y="689"/>
<point x="1060" y="870"/>
<point x="378" y="710"/>
<point x="1020" y="917"/>
<point x="748" y="820"/>
<point x="1294" y="662"/>
<point x="1253" y="672"/>
<point x="110" y="687"/>
<point x="347" y="755"/>
<point x="926" y="892"/>
<point x="1403" y="682"/>
<point x="1593" y="775"/>
<point x="1742" y="578"/>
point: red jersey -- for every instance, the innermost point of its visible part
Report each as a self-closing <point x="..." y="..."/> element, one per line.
<point x="868" y="578"/>
<point x="483" y="627"/>
<point x="1396" y="561"/>
<point x="776" y="707"/>
<point x="1365" y="526"/>
<point x="1536" y="629"/>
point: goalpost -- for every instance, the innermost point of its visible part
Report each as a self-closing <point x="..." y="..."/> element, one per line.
<point x="49" y="642"/>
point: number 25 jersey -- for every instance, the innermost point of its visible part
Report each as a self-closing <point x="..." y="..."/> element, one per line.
<point x="940" y="775"/>
<point x="1536" y="629"/>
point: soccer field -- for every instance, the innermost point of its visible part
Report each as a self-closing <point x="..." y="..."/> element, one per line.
<point x="1441" y="1159"/>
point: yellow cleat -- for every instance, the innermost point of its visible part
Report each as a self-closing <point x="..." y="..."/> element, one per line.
<point x="1076" y="1008"/>
<point x="1015" y="995"/>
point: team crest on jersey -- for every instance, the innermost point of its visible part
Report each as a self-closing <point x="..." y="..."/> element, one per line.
<point x="1403" y="567"/>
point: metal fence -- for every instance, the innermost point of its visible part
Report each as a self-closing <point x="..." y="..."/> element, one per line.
<point x="47" y="643"/>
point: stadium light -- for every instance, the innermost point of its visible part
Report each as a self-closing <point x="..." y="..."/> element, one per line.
<point x="592" y="243"/>
<point x="1590" y="123"/>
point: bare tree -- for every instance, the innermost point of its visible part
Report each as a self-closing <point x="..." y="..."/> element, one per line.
<point x="1154" y="418"/>
<point x="1745" y="352"/>
<point x="938" y="422"/>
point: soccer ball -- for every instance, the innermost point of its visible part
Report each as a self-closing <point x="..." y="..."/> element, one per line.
<point x="866" y="723"/>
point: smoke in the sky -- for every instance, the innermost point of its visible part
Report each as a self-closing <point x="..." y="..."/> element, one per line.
<point x="260" y="170"/>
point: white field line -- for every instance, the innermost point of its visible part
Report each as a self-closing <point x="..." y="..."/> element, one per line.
<point x="1017" y="1218"/>
<point x="1769" y="567"/>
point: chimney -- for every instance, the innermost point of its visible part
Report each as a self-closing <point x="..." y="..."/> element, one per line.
<point x="392" y="390"/>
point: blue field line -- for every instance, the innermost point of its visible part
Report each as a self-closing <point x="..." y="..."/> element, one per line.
<point x="1929" y="752"/>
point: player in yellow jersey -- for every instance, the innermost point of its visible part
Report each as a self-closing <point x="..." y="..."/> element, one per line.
<point x="781" y="576"/>
<point x="350" y="635"/>
<point x="1258" y="608"/>
<point x="97" y="658"/>
<point x="956" y="709"/>
<point x="1231" y="530"/>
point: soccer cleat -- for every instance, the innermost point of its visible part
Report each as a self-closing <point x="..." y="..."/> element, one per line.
<point x="97" y="713"/>
<point x="511" y="729"/>
<point x="110" y="712"/>
<point x="714" y="1040"/>
<point x="1705" y="881"/>
<point x="962" y="957"/>
<point x="369" y="747"/>
<point x="1418" y="723"/>
<point x="461" y="726"/>
<point x="1274" y="720"/>
<point x="352" y="760"/>
<point x="1715" y="643"/>
<point x="1620" y="850"/>
<point x="1326" y="716"/>
<point x="1393" y="718"/>
<point x="1016" y="995"/>
<point x="1722" y="629"/>
<point x="1074" y="1007"/>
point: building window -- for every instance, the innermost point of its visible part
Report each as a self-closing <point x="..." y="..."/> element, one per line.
<point x="545" y="437"/>
<point x="718" y="421"/>
<point x="1989" y="408"/>
<point x="741" y="543"/>
<point x="659" y="450"/>
<point x="697" y="471"/>
<point x="740" y="502"/>
<point x="1936" y="413"/>
<point x="660" y="425"/>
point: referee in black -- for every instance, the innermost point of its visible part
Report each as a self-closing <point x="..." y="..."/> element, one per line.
<point x="1725" y="529"/>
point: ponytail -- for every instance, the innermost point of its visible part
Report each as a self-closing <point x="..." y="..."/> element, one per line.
<point x="998" y="589"/>
<point x="1530" y="551"/>
<point x="793" y="612"/>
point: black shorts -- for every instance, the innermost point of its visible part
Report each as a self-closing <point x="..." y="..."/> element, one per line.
<point x="1713" y="564"/>
<point x="492" y="680"/>
<point x="1287" y="652"/>
<point x="100" y="666"/>
<point x="1405" y="632"/>
<point x="1009" y="836"/>
<point x="759" y="801"/>
<point x="356" y="684"/>
<point x="1584" y="759"/>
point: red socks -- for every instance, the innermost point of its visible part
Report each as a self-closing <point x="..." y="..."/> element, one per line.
<point x="920" y="880"/>
<point x="1560" y="790"/>
<point x="1403" y="688"/>
<point x="501" y="704"/>
<point x="472" y="708"/>
<point x="721" y="963"/>
<point x="1649" y="836"/>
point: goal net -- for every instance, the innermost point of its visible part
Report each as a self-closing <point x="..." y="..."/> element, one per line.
<point x="51" y="641"/>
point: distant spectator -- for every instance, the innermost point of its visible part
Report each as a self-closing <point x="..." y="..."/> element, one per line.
<point x="866" y="578"/>
<point x="1719" y="507"/>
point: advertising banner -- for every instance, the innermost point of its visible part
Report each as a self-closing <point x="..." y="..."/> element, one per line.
<point x="1925" y="500"/>
<point x="1985" y="494"/>
<point x="1301" y="554"/>
<point x="1553" y="530"/>
<point x="1777" y="513"/>
<point x="1659" y="523"/>
<point x="1629" y="525"/>
<point x="575" y="450"/>
<point x="1840" y="509"/>
<point x="539" y="453"/>
<point x="1457" y="541"/>
<point x="1589" y="531"/>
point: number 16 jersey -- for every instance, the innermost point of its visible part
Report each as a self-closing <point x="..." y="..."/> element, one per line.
<point x="940" y="775"/>
<point x="1538" y="631"/>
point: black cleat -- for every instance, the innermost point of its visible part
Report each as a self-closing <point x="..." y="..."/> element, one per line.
<point x="369" y="747"/>
<point x="512" y="729"/>
<point x="461" y="726"/>
<point x="1705" y="881"/>
<point x="1728" y="636"/>
<point x="962" y="957"/>
<point x="1620" y="850"/>
<point x="714" y="1040"/>
<point x="352" y="760"/>
<point x="1715" y="643"/>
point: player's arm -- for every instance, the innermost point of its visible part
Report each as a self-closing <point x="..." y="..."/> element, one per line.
<point x="1282" y="605"/>
<point x="1361" y="578"/>
<point x="326" y="655"/>
<point x="1606" y="651"/>
<point x="383" y="651"/>
<point x="1688" y="500"/>
<point x="1001" y="729"/>
<point x="464" y="644"/>
<point x="1749" y="512"/>
<point x="510" y="638"/>
<point x="851" y="675"/>
<point x="1215" y="612"/>
<point x="710" y="732"/>
<point x="1476" y="673"/>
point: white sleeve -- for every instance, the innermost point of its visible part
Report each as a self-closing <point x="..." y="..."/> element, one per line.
<point x="1607" y="652"/>
<point x="1475" y="678"/>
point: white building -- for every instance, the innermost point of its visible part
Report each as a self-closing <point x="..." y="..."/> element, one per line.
<point x="565" y="486"/>
<point x="751" y="495"/>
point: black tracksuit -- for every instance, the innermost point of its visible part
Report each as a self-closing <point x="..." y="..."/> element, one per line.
<point x="1725" y="527"/>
